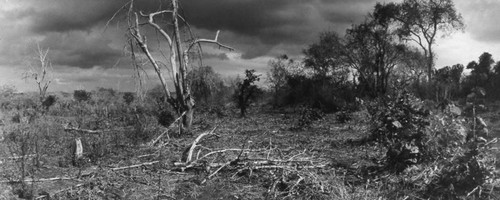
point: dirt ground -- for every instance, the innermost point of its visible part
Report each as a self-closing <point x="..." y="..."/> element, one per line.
<point x="118" y="167"/>
<point x="324" y="142"/>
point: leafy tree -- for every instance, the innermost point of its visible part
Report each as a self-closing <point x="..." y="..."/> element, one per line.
<point x="372" y="51"/>
<point x="282" y="70"/>
<point x="411" y="68"/>
<point x="447" y="82"/>
<point x="247" y="91"/>
<point x="495" y="81"/>
<point x="369" y="50"/>
<point x="481" y="74"/>
<point x="420" y="21"/>
<point x="325" y="56"/>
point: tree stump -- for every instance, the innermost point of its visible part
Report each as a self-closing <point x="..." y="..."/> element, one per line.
<point x="77" y="152"/>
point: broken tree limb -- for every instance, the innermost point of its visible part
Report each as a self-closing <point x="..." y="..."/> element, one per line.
<point x="19" y="157"/>
<point x="195" y="142"/>
<point x="47" y="196"/>
<point x="153" y="142"/>
<point x="134" y="166"/>
<point x="41" y="180"/>
<point x="215" y="172"/>
<point x="68" y="129"/>
<point x="214" y="41"/>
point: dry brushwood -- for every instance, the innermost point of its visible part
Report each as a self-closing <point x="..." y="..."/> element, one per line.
<point x="39" y="180"/>
<point x="69" y="128"/>
<point x="246" y="159"/>
<point x="134" y="166"/>
<point x="153" y="142"/>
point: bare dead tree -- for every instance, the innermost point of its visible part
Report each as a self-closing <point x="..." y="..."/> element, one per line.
<point x="178" y="53"/>
<point x="39" y="72"/>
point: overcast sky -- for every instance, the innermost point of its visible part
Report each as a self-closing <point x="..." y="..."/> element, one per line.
<point x="85" y="55"/>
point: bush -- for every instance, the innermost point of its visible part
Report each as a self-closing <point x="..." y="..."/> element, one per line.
<point x="49" y="101"/>
<point x="247" y="92"/>
<point x="400" y="124"/>
<point x="128" y="97"/>
<point x="308" y="116"/>
<point x="465" y="175"/>
<point x="81" y="95"/>
<point x="166" y="117"/>
<point x="344" y="117"/>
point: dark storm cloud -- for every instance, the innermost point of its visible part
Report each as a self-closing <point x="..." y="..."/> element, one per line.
<point x="273" y="22"/>
<point x="81" y="50"/>
<point x="88" y="58"/>
<point x="253" y="27"/>
<point x="68" y="15"/>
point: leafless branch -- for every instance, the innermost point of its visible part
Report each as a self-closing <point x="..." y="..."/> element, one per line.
<point x="214" y="41"/>
<point x="67" y="128"/>
<point x="40" y="179"/>
<point x="195" y="143"/>
<point x="153" y="142"/>
<point x="135" y="166"/>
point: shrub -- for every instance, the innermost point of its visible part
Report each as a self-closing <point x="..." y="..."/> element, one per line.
<point x="81" y="95"/>
<point x="465" y="175"/>
<point x="308" y="116"/>
<point x="247" y="92"/>
<point x="7" y="91"/>
<point x="48" y="101"/>
<point x="128" y="97"/>
<point x="343" y="117"/>
<point x="400" y="124"/>
<point x="166" y="117"/>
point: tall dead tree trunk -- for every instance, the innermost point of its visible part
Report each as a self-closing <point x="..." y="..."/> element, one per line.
<point x="183" y="101"/>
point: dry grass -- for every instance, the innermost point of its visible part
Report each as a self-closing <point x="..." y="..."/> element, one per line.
<point x="353" y="170"/>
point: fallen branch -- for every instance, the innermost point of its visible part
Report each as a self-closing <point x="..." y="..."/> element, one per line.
<point x="153" y="142"/>
<point x="19" y="157"/>
<point x="134" y="166"/>
<point x="194" y="144"/>
<point x="215" y="172"/>
<point x="60" y="191"/>
<point x="96" y="132"/>
<point x="41" y="180"/>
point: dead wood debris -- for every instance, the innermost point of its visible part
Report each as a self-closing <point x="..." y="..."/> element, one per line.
<point x="135" y="166"/>
<point x="40" y="179"/>
<point x="284" y="168"/>
<point x="165" y="132"/>
<point x="69" y="128"/>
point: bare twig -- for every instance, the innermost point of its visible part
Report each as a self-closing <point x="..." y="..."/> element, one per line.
<point x="41" y="180"/>
<point x="134" y="166"/>
<point x="195" y="142"/>
<point x="67" y="128"/>
<point x="215" y="172"/>
<point x="60" y="191"/>
<point x="19" y="157"/>
<point x="153" y="142"/>
<point x="214" y="41"/>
